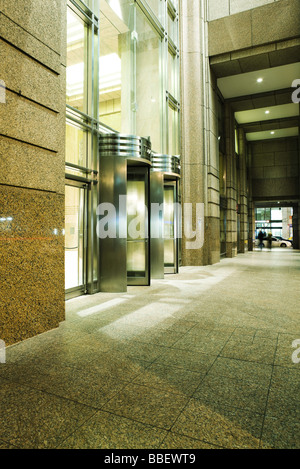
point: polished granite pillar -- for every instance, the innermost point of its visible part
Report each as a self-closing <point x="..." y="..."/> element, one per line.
<point x="32" y="117"/>
<point x="199" y="130"/>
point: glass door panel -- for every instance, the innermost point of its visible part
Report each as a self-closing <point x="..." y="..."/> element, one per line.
<point x="137" y="228"/>
<point x="170" y="243"/>
<point x="75" y="218"/>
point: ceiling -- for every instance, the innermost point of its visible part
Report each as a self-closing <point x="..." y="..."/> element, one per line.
<point x="262" y="101"/>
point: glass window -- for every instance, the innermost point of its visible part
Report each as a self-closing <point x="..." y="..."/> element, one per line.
<point x="74" y="232"/>
<point x="148" y="82"/>
<point x="276" y="214"/>
<point x="172" y="74"/>
<point x="76" y="144"/>
<point x="136" y="225"/>
<point x="155" y="7"/>
<point x="173" y="143"/>
<point x="172" y="28"/>
<point x="115" y="66"/>
<point x="76" y="62"/>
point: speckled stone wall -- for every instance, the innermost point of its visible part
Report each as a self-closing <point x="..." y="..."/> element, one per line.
<point x="199" y="135"/>
<point x="32" y="153"/>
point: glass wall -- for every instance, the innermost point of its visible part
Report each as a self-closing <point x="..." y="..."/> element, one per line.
<point x="122" y="76"/>
<point x="76" y="76"/>
<point x="75" y="219"/>
<point x="81" y="166"/>
<point x="139" y="71"/>
<point x="148" y="81"/>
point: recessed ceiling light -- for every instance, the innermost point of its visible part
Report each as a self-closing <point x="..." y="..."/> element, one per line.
<point x="272" y="133"/>
<point x="267" y="112"/>
<point x="259" y="80"/>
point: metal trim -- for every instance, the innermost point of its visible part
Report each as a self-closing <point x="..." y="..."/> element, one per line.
<point x="80" y="179"/>
<point x="151" y="18"/>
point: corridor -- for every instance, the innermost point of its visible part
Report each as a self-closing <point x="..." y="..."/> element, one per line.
<point x="199" y="360"/>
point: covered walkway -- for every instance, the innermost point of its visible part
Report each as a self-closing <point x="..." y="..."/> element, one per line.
<point x="202" y="359"/>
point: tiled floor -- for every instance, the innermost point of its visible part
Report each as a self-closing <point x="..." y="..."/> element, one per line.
<point x="202" y="359"/>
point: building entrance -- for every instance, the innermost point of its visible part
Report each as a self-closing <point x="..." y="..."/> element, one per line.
<point x="137" y="226"/>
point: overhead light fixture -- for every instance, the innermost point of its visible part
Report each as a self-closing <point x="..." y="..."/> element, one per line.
<point x="267" y="112"/>
<point x="259" y="80"/>
<point x="272" y="133"/>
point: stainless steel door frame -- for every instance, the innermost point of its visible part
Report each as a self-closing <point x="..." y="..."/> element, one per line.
<point x="157" y="224"/>
<point x="112" y="250"/>
<point x="173" y="269"/>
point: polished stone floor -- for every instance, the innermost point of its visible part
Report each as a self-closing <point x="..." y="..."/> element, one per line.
<point x="202" y="359"/>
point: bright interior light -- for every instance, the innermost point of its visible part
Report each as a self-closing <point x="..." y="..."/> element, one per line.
<point x="75" y="74"/>
<point x="260" y="80"/>
<point x="272" y="133"/>
<point x="267" y="112"/>
<point x="110" y="72"/>
<point x="116" y="7"/>
<point x="75" y="29"/>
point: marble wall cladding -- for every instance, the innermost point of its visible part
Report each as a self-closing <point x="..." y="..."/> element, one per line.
<point x="28" y="77"/>
<point x="31" y="262"/>
<point x="24" y="120"/>
<point x="20" y="38"/>
<point x="272" y="22"/>
<point x="275" y="169"/>
<point x="40" y="18"/>
<point x="220" y="8"/>
<point x="25" y="165"/>
<point x="284" y="24"/>
<point x="199" y="143"/>
<point x="32" y="156"/>
<point x="229" y="33"/>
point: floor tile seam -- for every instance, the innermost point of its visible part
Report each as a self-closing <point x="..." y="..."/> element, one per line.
<point x="232" y="408"/>
<point x="20" y="437"/>
<point x="268" y="394"/>
<point x="158" y="388"/>
<point x="217" y="357"/>
<point x="195" y="348"/>
<point x="52" y="373"/>
<point x="135" y="420"/>
<point x="242" y="408"/>
<point x="67" y="399"/>
<point x="170" y="432"/>
<point x="237" y="380"/>
<point x="192" y="396"/>
<point x="288" y="367"/>
<point x="229" y="408"/>
<point x="250" y="361"/>
<point x="115" y="415"/>
<point x="76" y="429"/>
<point x="176" y="368"/>
<point x="141" y="385"/>
<point x="44" y="389"/>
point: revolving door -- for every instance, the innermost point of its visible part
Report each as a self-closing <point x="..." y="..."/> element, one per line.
<point x="125" y="161"/>
<point x="165" y="172"/>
